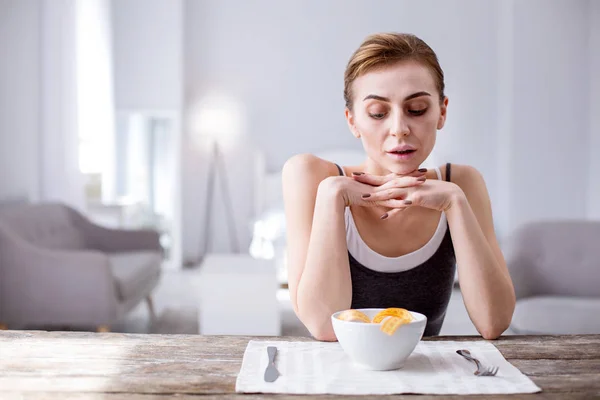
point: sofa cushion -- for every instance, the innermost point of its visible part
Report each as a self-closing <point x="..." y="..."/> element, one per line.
<point x="47" y="225"/>
<point x="134" y="271"/>
<point x="556" y="315"/>
<point x="555" y="258"/>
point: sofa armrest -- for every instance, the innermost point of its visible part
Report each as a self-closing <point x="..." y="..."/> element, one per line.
<point x="519" y="267"/>
<point x="120" y="240"/>
<point x="49" y="286"/>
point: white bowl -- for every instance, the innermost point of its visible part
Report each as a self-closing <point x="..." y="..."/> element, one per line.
<point x="373" y="349"/>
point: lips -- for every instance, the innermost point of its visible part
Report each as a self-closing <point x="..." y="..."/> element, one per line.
<point x="402" y="153"/>
<point x="404" y="149"/>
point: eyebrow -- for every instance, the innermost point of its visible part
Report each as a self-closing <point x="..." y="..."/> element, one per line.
<point x="409" y="97"/>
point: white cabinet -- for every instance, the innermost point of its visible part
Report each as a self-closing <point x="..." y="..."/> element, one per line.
<point x="238" y="296"/>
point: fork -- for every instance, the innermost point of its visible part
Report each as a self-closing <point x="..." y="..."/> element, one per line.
<point x="481" y="370"/>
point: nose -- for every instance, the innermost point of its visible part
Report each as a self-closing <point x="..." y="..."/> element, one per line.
<point x="399" y="126"/>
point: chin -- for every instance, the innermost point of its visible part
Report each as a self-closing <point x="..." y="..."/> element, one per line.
<point x="401" y="164"/>
<point x="403" y="169"/>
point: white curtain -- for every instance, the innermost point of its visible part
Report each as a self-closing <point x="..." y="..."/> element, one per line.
<point x="76" y="97"/>
<point x="95" y="90"/>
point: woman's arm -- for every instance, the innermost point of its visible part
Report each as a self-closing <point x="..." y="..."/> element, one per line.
<point x="485" y="283"/>
<point x="318" y="268"/>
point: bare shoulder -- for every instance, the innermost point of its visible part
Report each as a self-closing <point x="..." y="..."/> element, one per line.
<point x="468" y="178"/>
<point x="307" y="170"/>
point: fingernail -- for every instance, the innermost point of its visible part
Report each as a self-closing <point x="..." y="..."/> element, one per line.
<point x="384" y="216"/>
<point x="407" y="202"/>
<point x="421" y="179"/>
<point x="366" y="196"/>
<point x="358" y="173"/>
<point x="422" y="169"/>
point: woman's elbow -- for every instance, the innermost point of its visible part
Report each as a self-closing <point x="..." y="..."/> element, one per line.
<point x="496" y="323"/>
<point x="491" y="334"/>
<point x="319" y="329"/>
<point x="493" y="330"/>
<point x="323" y="335"/>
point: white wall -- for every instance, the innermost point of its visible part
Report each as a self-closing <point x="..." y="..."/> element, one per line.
<point x="550" y="137"/>
<point x="285" y="65"/>
<point x="504" y="92"/>
<point x="147" y="54"/>
<point x="19" y="98"/>
<point x="594" y="71"/>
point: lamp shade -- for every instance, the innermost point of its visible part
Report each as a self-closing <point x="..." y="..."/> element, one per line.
<point x="219" y="118"/>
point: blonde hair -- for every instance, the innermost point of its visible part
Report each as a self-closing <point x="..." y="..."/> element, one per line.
<point x="383" y="49"/>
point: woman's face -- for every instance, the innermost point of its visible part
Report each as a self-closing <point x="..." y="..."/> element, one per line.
<point x="396" y="113"/>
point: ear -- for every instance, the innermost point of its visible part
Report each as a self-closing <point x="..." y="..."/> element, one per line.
<point x="351" y="125"/>
<point x="443" y="111"/>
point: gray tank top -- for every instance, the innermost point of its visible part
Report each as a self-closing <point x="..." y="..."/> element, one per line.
<point x="426" y="288"/>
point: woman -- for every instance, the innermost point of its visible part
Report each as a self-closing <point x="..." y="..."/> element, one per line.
<point x="388" y="233"/>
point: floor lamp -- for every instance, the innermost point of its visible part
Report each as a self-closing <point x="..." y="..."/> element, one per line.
<point x="216" y="170"/>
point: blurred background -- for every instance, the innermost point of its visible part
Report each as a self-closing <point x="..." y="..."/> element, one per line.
<point x="174" y="117"/>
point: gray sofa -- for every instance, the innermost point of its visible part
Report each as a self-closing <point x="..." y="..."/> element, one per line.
<point x="59" y="269"/>
<point x="555" y="268"/>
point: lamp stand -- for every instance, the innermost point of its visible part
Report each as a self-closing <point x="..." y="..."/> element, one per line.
<point x="217" y="167"/>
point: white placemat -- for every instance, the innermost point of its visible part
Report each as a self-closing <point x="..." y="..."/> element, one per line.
<point x="324" y="368"/>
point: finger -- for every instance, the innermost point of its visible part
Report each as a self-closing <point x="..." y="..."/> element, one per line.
<point x="393" y="203"/>
<point x="404" y="204"/>
<point x="417" y="172"/>
<point x="390" y="203"/>
<point x="373" y="180"/>
<point x="377" y="180"/>
<point x="388" y="194"/>
<point x="405" y="181"/>
<point x="391" y="213"/>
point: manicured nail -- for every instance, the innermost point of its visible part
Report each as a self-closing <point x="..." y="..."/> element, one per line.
<point x="422" y="169"/>
<point x="384" y="216"/>
<point x="421" y="179"/>
<point x="407" y="202"/>
<point x="358" y="173"/>
<point x="366" y="196"/>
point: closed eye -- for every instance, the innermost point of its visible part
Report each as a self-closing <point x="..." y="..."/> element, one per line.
<point x="377" y="116"/>
<point x="417" y="112"/>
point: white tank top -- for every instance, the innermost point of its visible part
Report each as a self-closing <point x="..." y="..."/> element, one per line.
<point x="375" y="261"/>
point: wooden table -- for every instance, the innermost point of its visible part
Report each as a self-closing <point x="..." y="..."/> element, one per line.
<point x="73" y="365"/>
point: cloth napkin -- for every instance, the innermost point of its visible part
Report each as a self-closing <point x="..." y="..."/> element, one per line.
<point x="324" y="368"/>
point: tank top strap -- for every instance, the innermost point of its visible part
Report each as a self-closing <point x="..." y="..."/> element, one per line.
<point x="340" y="170"/>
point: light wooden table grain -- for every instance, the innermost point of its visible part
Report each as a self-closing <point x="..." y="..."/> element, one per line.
<point x="73" y="365"/>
